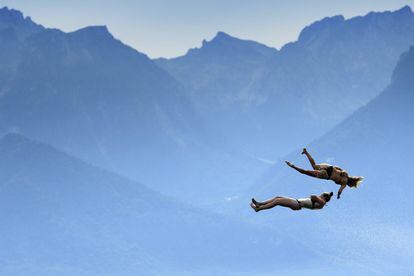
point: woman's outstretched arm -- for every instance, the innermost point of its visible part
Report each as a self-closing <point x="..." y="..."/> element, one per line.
<point x="343" y="186"/>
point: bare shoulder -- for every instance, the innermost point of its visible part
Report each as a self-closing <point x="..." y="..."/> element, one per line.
<point x="318" y="198"/>
<point x="321" y="202"/>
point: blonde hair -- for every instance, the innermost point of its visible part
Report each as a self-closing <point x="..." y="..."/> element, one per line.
<point x="355" y="181"/>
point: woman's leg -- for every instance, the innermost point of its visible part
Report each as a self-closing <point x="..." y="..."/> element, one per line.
<point x="314" y="173"/>
<point x="258" y="203"/>
<point x="280" y="201"/>
<point x="311" y="160"/>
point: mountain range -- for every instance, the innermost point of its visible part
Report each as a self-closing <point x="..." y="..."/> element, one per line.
<point x="87" y="93"/>
<point x="293" y="95"/>
<point x="115" y="164"/>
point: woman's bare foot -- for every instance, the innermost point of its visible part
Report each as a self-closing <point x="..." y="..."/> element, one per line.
<point x="256" y="202"/>
<point x="255" y="208"/>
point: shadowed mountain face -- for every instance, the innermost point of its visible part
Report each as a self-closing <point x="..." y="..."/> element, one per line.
<point x="92" y="96"/>
<point x="223" y="72"/>
<point x="14" y="28"/>
<point x="14" y="20"/>
<point x="291" y="96"/>
<point x="373" y="221"/>
<point x="89" y="91"/>
<point x="224" y="78"/>
<point x="64" y="217"/>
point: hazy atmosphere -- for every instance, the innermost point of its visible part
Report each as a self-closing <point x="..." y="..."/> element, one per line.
<point x="165" y="28"/>
<point x="151" y="137"/>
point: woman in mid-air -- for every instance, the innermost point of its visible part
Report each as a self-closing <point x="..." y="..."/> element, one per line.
<point x="329" y="172"/>
<point x="313" y="202"/>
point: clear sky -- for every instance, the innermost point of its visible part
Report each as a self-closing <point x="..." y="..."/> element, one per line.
<point x="169" y="28"/>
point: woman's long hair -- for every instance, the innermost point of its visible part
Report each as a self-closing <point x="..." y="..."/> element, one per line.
<point x="354" y="181"/>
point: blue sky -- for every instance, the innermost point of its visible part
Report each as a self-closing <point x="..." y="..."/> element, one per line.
<point x="169" y="28"/>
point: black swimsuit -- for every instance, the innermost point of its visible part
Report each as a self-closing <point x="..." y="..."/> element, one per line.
<point x="329" y="171"/>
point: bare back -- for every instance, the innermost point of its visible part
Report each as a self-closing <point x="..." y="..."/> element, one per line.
<point x="338" y="175"/>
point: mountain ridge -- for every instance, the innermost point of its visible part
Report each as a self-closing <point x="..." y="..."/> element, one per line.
<point x="91" y="95"/>
<point x="291" y="97"/>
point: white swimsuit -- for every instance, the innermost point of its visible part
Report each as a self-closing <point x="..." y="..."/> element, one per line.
<point x="307" y="203"/>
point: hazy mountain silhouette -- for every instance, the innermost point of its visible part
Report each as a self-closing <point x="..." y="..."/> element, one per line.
<point x="14" y="21"/>
<point x="376" y="142"/>
<point x="291" y="96"/>
<point x="14" y="28"/>
<point x="96" y="98"/>
<point x="206" y="71"/>
<point x="63" y="216"/>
